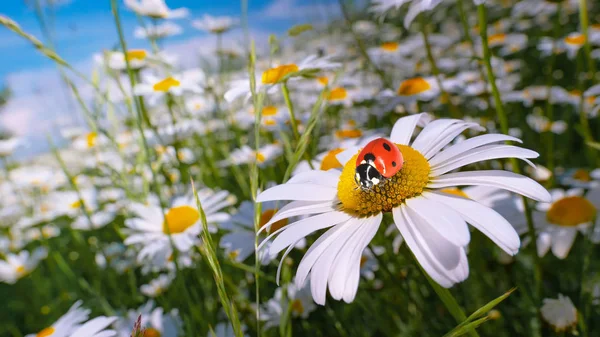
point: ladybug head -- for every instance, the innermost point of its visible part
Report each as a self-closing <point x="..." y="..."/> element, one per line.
<point x="367" y="176"/>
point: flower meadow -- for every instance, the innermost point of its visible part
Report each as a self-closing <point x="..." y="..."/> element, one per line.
<point x="410" y="168"/>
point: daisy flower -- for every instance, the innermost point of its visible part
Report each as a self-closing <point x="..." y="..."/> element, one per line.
<point x="159" y="31"/>
<point x="94" y="328"/>
<point x="422" y="88"/>
<point x="561" y="218"/>
<point x="67" y="324"/>
<point x="157" y="286"/>
<point x="8" y="146"/>
<point x="560" y="313"/>
<point x="582" y="178"/>
<point x="246" y="155"/>
<point x="298" y="301"/>
<point x="16" y="266"/>
<point x="155" y="9"/>
<point x="353" y="215"/>
<point x="182" y="221"/>
<point x="154" y="321"/>
<point x="154" y="87"/>
<point x="215" y="25"/>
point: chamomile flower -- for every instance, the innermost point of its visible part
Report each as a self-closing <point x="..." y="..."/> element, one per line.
<point x="561" y="218"/>
<point x="297" y="300"/>
<point x="246" y="155"/>
<point x="156" y="9"/>
<point x="96" y="327"/>
<point x="159" y="31"/>
<point x="353" y="215"/>
<point x="581" y="178"/>
<point x="157" y="286"/>
<point x="155" y="87"/>
<point x="541" y="124"/>
<point x="67" y="324"/>
<point x="215" y="25"/>
<point x="16" y="266"/>
<point x="181" y="221"/>
<point x="560" y="313"/>
<point x="416" y="6"/>
<point x="8" y="146"/>
<point x="422" y="88"/>
<point x="89" y="140"/>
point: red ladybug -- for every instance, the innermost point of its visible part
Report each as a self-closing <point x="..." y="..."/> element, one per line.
<point x="379" y="159"/>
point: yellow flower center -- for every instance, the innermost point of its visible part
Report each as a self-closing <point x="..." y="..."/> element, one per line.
<point x="260" y="157"/>
<point x="323" y="80"/>
<point x="269" y="110"/>
<point x="571" y="211"/>
<point x="455" y="191"/>
<point x="266" y="217"/>
<point x="91" y="139"/>
<point x="46" y="332"/>
<point x="274" y="75"/>
<point x="136" y="54"/>
<point x="496" y="38"/>
<point x="575" y="92"/>
<point x="20" y="270"/>
<point x="166" y="84"/>
<point x="409" y="182"/>
<point x="348" y="133"/>
<point x="389" y="46"/>
<point x="297" y="307"/>
<point x="413" y="86"/>
<point x="234" y="253"/>
<point x="151" y="332"/>
<point x="578" y="39"/>
<point x="180" y="218"/>
<point x="76" y="204"/>
<point x="582" y="175"/>
<point x="337" y="94"/>
<point x="330" y="160"/>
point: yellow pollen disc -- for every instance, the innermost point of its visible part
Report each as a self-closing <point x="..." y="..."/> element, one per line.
<point x="297" y="307"/>
<point x="323" y="80"/>
<point x="151" y="332"/>
<point x="330" y="160"/>
<point x="91" y="139"/>
<point x="20" y="270"/>
<point x="166" y="84"/>
<point x="413" y="86"/>
<point x="575" y="92"/>
<point x="590" y="100"/>
<point x="270" y="122"/>
<point x="348" y="133"/>
<point x="267" y="215"/>
<point x="571" y="211"/>
<point x="337" y="94"/>
<point x="274" y="75"/>
<point x="455" y="191"/>
<point x="409" y="182"/>
<point x="269" y="110"/>
<point x="582" y="175"/>
<point x="577" y="40"/>
<point x="180" y="218"/>
<point x="46" y="332"/>
<point x="496" y="38"/>
<point x="260" y="157"/>
<point x="234" y="254"/>
<point x="136" y="54"/>
<point x="76" y="204"/>
<point x="389" y="46"/>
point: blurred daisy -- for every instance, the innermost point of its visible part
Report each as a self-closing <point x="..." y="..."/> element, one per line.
<point x="8" y="146"/>
<point x="381" y="7"/>
<point x="154" y="321"/>
<point x="96" y="327"/>
<point x="421" y="88"/>
<point x="154" y="87"/>
<point x="182" y="220"/>
<point x="158" y="31"/>
<point x="157" y="286"/>
<point x="353" y="215"/>
<point x="541" y="124"/>
<point x="44" y="178"/>
<point x="246" y="155"/>
<point x="155" y="9"/>
<point x="298" y="301"/>
<point x="215" y="25"/>
<point x="16" y="266"/>
<point x="581" y="178"/>
<point x="560" y="219"/>
<point x="67" y="324"/>
<point x="89" y="140"/>
<point x="560" y="313"/>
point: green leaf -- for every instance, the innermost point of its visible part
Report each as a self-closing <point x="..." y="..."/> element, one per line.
<point x="593" y="145"/>
<point x="299" y="29"/>
<point x="464" y="329"/>
<point x="486" y="308"/>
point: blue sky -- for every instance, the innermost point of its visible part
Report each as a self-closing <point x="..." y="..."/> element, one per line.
<point x="81" y="28"/>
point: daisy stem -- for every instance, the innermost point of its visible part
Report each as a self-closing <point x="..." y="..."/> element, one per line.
<point x="584" y="22"/>
<point x="481" y="10"/>
<point x="436" y="71"/>
<point x="290" y="106"/>
<point x="583" y="118"/>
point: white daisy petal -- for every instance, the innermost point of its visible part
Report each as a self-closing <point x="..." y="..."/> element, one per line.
<point x="347" y="154"/>
<point x="302" y="192"/>
<point x="446" y="137"/>
<point x="296" y="208"/>
<point x="562" y="241"/>
<point x="326" y="178"/>
<point x="444" y="220"/>
<point x="404" y="128"/>
<point x="455" y="150"/>
<point x="484" y="153"/>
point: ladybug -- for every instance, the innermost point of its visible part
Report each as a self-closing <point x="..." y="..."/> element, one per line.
<point x="380" y="159"/>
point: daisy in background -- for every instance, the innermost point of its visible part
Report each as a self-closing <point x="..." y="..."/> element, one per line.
<point x="181" y="221"/>
<point x="159" y="31"/>
<point x="154" y="321"/>
<point x="156" y="9"/>
<point x="16" y="266"/>
<point x="298" y="302"/>
<point x="581" y="178"/>
<point x="66" y="324"/>
<point x="155" y="87"/>
<point x="266" y="155"/>
<point x="541" y="124"/>
<point x="353" y="215"/>
<point x="157" y="286"/>
<point x="8" y="146"/>
<point x="419" y="88"/>
<point x="275" y="75"/>
<point x="560" y="219"/>
<point x="560" y="313"/>
<point x="215" y="24"/>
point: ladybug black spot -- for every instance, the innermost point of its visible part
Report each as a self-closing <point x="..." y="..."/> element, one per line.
<point x="387" y="147"/>
<point x="369" y="157"/>
<point x="394" y="164"/>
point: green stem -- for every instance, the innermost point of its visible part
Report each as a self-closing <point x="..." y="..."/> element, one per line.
<point x="481" y="10"/>
<point x="584" y="22"/>
<point x="290" y="106"/>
